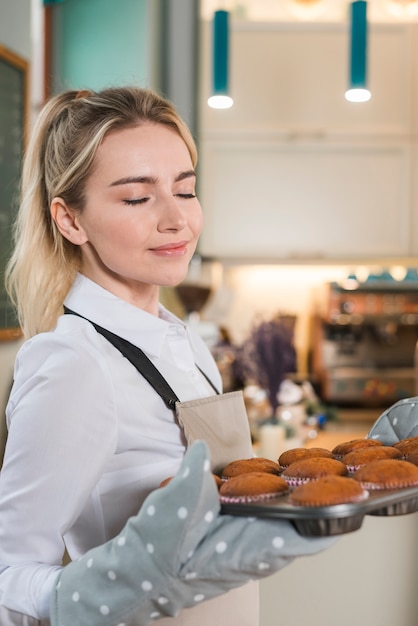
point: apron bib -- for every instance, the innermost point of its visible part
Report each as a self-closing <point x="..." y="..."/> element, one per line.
<point x="221" y="421"/>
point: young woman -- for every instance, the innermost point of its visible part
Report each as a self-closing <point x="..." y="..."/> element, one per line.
<point x="112" y="392"/>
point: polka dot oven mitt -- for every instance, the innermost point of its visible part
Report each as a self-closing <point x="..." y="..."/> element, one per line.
<point x="399" y="421"/>
<point x="177" y="552"/>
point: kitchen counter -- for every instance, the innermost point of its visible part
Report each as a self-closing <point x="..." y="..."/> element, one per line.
<point x="337" y="432"/>
<point x="351" y="424"/>
<point x="333" y="434"/>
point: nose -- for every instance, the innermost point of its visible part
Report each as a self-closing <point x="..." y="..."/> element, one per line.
<point x="172" y="216"/>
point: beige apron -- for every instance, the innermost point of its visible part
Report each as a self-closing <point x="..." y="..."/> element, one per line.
<point x="222" y="422"/>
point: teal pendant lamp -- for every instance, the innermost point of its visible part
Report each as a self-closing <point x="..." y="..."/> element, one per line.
<point x="358" y="91"/>
<point x="220" y="98"/>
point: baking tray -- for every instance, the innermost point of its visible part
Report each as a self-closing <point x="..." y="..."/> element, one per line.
<point x="320" y="521"/>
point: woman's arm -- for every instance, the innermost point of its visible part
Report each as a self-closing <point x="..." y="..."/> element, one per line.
<point x="59" y="439"/>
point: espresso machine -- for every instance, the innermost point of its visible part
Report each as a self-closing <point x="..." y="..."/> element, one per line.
<point x="364" y="338"/>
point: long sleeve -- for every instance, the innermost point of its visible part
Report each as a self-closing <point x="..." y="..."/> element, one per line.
<point x="60" y="437"/>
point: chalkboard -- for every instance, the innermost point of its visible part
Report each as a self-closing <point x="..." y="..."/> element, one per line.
<point x="13" y="122"/>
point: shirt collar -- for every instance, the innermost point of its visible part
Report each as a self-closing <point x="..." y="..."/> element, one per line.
<point x="143" y="329"/>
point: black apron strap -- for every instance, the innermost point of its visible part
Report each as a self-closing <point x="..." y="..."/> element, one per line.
<point x="141" y="362"/>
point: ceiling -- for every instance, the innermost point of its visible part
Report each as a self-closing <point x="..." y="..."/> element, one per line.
<point x="310" y="10"/>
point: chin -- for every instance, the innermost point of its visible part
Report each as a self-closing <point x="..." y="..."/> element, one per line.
<point x="173" y="275"/>
<point x="173" y="281"/>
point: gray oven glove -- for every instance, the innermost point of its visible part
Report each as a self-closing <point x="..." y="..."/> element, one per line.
<point x="399" y="421"/>
<point x="176" y="552"/>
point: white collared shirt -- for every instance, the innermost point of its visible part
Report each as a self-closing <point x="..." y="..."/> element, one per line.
<point x="88" y="436"/>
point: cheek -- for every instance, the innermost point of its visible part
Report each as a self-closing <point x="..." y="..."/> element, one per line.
<point x="196" y="222"/>
<point x="119" y="231"/>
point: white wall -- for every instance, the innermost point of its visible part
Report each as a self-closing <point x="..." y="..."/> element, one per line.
<point x="15" y="26"/>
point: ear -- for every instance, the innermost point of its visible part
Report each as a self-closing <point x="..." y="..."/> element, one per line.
<point x="67" y="222"/>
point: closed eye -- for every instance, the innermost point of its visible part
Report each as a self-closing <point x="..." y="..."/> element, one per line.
<point x="136" y="201"/>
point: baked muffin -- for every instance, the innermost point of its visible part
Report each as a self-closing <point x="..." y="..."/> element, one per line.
<point x="244" y="466"/>
<point x="345" y="447"/>
<point x="406" y="440"/>
<point x="252" y="487"/>
<point x="412" y="457"/>
<point x="387" y="474"/>
<point x="328" y="491"/>
<point x="406" y="446"/>
<point x="297" y="454"/>
<point x="357" y="458"/>
<point x="306" y="470"/>
<point x="218" y="480"/>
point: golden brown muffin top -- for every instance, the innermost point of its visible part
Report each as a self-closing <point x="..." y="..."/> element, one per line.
<point x="297" y="454"/>
<point x="244" y="466"/>
<point x="387" y="474"/>
<point x="354" y="444"/>
<point x="315" y="468"/>
<point x="362" y="456"/>
<point x="412" y="457"/>
<point x="328" y="491"/>
<point x="406" y="446"/>
<point x="254" y="483"/>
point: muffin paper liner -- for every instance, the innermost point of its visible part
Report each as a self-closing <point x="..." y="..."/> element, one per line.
<point x="337" y="519"/>
<point x="259" y="498"/>
<point x="387" y="486"/>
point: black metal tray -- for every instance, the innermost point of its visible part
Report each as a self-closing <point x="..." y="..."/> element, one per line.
<point x="337" y="519"/>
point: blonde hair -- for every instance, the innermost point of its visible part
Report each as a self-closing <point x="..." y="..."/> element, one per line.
<point x="58" y="162"/>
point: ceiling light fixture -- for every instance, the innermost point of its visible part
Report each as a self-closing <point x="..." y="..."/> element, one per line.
<point x="220" y="98"/>
<point x="358" y="91"/>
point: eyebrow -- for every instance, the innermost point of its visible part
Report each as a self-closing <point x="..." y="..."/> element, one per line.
<point x="150" y="179"/>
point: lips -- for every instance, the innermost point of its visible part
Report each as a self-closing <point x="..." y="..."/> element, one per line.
<point x="171" y="249"/>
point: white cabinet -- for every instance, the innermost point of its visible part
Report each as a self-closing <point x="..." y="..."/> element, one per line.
<point x="304" y="201"/>
<point x="295" y="171"/>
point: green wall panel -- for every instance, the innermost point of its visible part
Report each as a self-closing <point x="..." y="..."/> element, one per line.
<point x="100" y="43"/>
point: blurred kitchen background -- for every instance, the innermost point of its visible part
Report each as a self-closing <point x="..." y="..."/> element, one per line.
<point x="305" y="283"/>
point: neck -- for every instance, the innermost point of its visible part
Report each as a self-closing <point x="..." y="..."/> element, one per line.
<point x="141" y="295"/>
